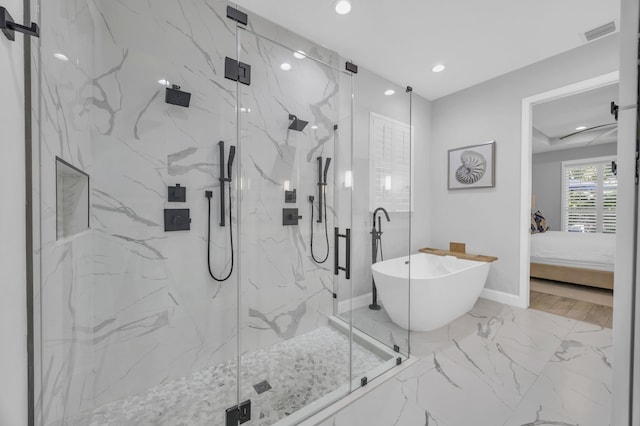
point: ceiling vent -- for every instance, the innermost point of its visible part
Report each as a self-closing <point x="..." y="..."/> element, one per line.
<point x="600" y="31"/>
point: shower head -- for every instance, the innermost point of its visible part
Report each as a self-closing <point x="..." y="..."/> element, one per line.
<point x="326" y="169"/>
<point x="297" y="124"/>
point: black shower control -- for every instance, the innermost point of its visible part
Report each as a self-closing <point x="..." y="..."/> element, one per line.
<point x="290" y="217"/>
<point x="177" y="220"/>
<point x="290" y="196"/>
<point x="177" y="194"/>
<point x="175" y="96"/>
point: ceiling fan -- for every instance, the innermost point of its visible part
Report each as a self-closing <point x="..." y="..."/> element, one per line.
<point x="613" y="128"/>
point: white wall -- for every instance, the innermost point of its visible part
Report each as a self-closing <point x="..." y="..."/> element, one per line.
<point x="369" y="98"/>
<point x="13" y="323"/>
<point x="546" y="172"/>
<point x="488" y="219"/>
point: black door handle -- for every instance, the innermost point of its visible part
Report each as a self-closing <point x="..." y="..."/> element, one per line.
<point x="336" y="252"/>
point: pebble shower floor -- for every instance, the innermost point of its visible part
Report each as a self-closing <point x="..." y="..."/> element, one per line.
<point x="299" y="371"/>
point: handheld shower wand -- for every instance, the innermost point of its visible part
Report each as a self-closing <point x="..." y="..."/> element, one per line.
<point x="326" y="169"/>
<point x="232" y="154"/>
<point x="322" y="186"/>
<point x="322" y="200"/>
<point x="209" y="194"/>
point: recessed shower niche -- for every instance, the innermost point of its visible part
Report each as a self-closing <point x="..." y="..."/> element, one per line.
<point x="72" y="200"/>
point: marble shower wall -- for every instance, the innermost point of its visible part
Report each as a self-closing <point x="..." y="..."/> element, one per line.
<point x="285" y="292"/>
<point x="157" y="313"/>
<point x="126" y="305"/>
<point x="65" y="291"/>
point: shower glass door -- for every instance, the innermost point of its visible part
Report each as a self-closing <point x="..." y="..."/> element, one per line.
<point x="374" y="174"/>
<point x="294" y="360"/>
<point x="132" y="327"/>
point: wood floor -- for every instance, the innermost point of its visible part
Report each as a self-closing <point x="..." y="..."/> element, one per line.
<point x="560" y="304"/>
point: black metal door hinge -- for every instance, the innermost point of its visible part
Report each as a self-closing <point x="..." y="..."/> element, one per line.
<point x="364" y="381"/>
<point x="350" y="66"/>
<point x="235" y="15"/>
<point x="237" y="71"/>
<point x="9" y="27"/>
<point x="396" y="348"/>
<point x="614" y="110"/>
<point x="239" y="414"/>
<point x="398" y="361"/>
<point x="637" y="160"/>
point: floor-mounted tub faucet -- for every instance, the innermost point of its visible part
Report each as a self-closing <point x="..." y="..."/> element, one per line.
<point x="376" y="245"/>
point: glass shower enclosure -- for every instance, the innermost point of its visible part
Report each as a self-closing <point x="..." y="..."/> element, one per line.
<point x="204" y="193"/>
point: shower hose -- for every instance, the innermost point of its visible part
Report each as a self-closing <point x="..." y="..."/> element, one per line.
<point x="326" y="229"/>
<point x="209" y="240"/>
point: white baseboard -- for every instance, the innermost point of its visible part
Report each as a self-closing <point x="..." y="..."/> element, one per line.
<point x="502" y="297"/>
<point x="355" y="303"/>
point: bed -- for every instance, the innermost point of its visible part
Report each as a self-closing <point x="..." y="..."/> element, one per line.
<point x="574" y="257"/>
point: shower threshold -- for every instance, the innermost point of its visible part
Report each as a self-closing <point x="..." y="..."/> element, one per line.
<point x="287" y="383"/>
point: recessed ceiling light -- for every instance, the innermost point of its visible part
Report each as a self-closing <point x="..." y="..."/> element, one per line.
<point x="299" y="54"/>
<point x="581" y="128"/>
<point x="389" y="92"/>
<point x="314" y="127"/>
<point x="285" y="66"/>
<point x="342" y="7"/>
<point x="438" y="68"/>
<point x="61" y="56"/>
<point x="164" y="82"/>
<point x="243" y="109"/>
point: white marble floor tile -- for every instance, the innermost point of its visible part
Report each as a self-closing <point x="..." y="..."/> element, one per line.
<point x="588" y="351"/>
<point x="497" y="365"/>
<point x="494" y="364"/>
<point x="456" y="395"/>
<point x="563" y="397"/>
<point x="531" y="337"/>
<point x="388" y="404"/>
<point x="378" y="325"/>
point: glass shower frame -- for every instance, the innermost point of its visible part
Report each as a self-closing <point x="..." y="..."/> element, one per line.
<point x="53" y="74"/>
<point x="310" y="91"/>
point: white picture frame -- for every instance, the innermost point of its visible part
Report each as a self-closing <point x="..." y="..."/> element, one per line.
<point x="472" y="166"/>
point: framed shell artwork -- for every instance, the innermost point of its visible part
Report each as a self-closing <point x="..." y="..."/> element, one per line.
<point x="472" y="166"/>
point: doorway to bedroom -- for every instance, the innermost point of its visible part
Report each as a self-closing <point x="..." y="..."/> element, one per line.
<point x="573" y="204"/>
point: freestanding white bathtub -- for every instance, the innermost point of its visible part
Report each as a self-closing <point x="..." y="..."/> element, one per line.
<point x="443" y="288"/>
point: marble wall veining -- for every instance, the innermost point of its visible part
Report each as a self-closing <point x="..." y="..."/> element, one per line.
<point x="65" y="297"/>
<point x="284" y="292"/>
<point x="157" y="314"/>
<point x="126" y="306"/>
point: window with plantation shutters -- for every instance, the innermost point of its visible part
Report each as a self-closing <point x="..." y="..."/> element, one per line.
<point x="589" y="195"/>
<point x="390" y="164"/>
